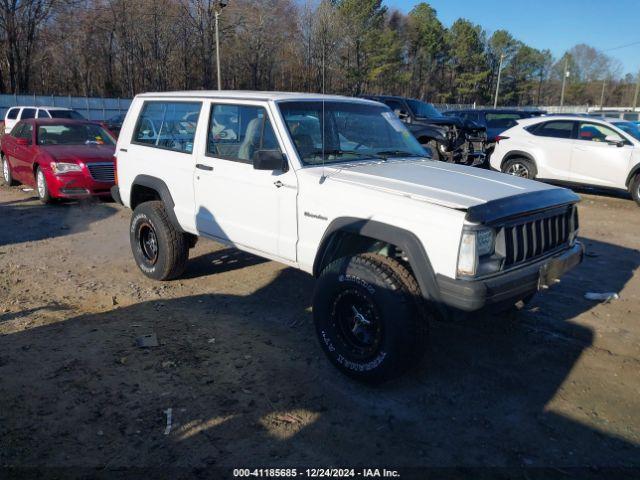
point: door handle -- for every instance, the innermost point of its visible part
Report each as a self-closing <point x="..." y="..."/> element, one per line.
<point x="278" y="184"/>
<point x="204" y="167"/>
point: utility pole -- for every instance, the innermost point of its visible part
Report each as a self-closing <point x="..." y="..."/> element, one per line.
<point x="220" y="4"/>
<point x="564" y="80"/>
<point x="635" y="96"/>
<point x="495" y="101"/>
<point x="604" y="83"/>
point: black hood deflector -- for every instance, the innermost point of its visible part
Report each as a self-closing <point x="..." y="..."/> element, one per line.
<point x="522" y="204"/>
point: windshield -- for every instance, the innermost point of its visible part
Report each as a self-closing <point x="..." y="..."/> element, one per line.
<point x="73" y="134"/>
<point x="71" y="114"/>
<point x="630" y="128"/>
<point x="347" y="131"/>
<point x="422" y="109"/>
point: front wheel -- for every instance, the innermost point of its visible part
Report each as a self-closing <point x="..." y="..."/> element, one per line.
<point x="520" y="167"/>
<point x="634" y="188"/>
<point x="43" y="188"/>
<point x="6" y="173"/>
<point x="159" y="248"/>
<point x="370" y="317"/>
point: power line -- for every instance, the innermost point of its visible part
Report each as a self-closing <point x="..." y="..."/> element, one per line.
<point x="622" y="46"/>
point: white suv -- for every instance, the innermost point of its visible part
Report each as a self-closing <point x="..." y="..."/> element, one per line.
<point x="15" y="114"/>
<point x="573" y="149"/>
<point x="339" y="188"/>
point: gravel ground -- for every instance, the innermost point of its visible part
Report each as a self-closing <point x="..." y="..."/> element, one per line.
<point x="554" y="385"/>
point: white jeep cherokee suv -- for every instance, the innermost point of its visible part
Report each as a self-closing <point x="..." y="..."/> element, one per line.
<point x="573" y="150"/>
<point x="339" y="188"/>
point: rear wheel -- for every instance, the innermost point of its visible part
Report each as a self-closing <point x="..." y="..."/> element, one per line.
<point x="370" y="317"/>
<point x="520" y="167"/>
<point x="159" y="248"/>
<point x="6" y="172"/>
<point x="42" y="187"/>
<point x="634" y="188"/>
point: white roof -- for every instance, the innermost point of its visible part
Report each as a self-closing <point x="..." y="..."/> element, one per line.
<point x="43" y="107"/>
<point x="573" y="118"/>
<point x="251" y="95"/>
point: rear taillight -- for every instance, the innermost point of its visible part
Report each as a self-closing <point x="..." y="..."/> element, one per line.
<point x="499" y="137"/>
<point x="115" y="169"/>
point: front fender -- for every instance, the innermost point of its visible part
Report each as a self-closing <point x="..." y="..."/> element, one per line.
<point x="403" y="239"/>
<point x="435" y="133"/>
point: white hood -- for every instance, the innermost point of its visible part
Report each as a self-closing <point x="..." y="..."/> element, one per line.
<point x="450" y="185"/>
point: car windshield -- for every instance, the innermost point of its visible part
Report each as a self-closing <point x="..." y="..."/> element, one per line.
<point x="334" y="132"/>
<point x="423" y="109"/>
<point x="73" y="134"/>
<point x="630" y="128"/>
<point x="71" y="114"/>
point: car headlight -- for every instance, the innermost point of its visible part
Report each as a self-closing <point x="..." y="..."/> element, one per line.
<point x="476" y="245"/>
<point x="65" y="167"/>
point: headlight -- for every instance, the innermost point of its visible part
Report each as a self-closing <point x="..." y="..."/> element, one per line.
<point x="475" y="244"/>
<point x="63" y="167"/>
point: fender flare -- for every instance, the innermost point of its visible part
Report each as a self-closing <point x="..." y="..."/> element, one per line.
<point x="403" y="239"/>
<point x="430" y="133"/>
<point x="163" y="190"/>
<point x="635" y="170"/>
<point x="517" y="153"/>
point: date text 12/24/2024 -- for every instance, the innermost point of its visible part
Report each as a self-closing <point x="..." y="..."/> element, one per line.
<point x="315" y="473"/>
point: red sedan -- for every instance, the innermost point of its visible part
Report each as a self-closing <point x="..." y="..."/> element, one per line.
<point x="60" y="158"/>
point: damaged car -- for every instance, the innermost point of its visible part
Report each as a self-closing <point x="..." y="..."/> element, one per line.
<point x="449" y="139"/>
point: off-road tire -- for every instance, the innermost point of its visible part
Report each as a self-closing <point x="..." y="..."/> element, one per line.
<point x="151" y="225"/>
<point x="397" y="315"/>
<point x="634" y="188"/>
<point x="522" y="164"/>
<point x="43" y="190"/>
<point x="432" y="147"/>
<point x="6" y="173"/>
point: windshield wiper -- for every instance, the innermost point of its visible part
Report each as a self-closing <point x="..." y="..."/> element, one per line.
<point x="348" y="152"/>
<point x="396" y="153"/>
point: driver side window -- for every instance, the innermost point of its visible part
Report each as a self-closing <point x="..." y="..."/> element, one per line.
<point x="25" y="131"/>
<point x="237" y="132"/>
<point x="593" y="132"/>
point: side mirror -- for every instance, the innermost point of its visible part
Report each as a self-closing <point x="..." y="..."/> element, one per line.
<point x="614" y="140"/>
<point x="269" y="160"/>
<point x="24" y="142"/>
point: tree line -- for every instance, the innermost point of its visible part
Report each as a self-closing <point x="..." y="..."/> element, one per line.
<point x="117" y="48"/>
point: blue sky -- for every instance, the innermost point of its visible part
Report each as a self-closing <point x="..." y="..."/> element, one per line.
<point x="553" y="24"/>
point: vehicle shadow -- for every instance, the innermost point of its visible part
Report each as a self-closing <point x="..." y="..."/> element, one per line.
<point x="21" y="221"/>
<point x="219" y="261"/>
<point x="51" y="307"/>
<point x="246" y="389"/>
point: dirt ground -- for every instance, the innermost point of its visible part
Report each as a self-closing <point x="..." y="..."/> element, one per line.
<point x="555" y="385"/>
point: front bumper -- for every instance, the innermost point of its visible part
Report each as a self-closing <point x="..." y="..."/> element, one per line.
<point x="76" y="185"/>
<point x="506" y="289"/>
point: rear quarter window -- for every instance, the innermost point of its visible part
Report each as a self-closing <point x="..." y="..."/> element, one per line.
<point x="169" y="125"/>
<point x="556" y="129"/>
<point x="12" y="114"/>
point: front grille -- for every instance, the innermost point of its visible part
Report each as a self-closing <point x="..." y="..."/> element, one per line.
<point x="519" y="242"/>
<point x="102" y="172"/>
